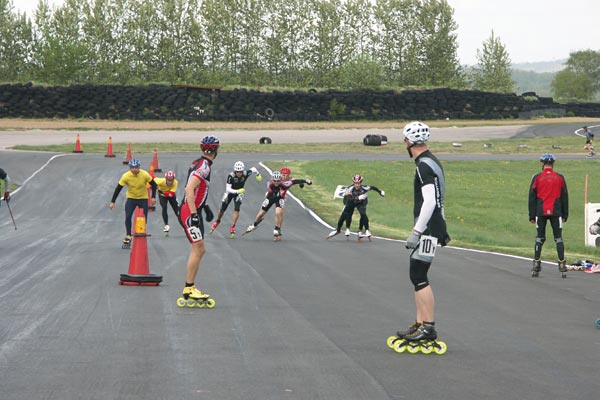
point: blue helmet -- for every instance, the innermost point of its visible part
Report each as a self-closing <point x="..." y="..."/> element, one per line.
<point x="134" y="162"/>
<point x="547" y="158"/>
<point x="210" y="144"/>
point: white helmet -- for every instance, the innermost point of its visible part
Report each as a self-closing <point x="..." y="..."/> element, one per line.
<point x="416" y="132"/>
<point x="238" y="166"/>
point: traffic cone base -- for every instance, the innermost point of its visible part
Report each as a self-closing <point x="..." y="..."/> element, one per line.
<point x="139" y="267"/>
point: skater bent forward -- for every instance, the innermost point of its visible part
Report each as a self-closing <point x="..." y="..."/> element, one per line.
<point x="4" y="184"/>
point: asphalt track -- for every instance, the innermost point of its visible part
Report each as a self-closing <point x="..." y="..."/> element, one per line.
<point x="304" y="318"/>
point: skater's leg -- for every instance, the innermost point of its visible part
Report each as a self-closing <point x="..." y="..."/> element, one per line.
<point x="279" y="213"/>
<point x="541" y="236"/>
<point x="424" y="299"/>
<point x="174" y="206"/>
<point x="556" y="223"/>
<point x="364" y="220"/>
<point x="234" y="219"/>
<point x="193" y="264"/>
<point x="129" y="209"/>
<point x="164" y="206"/>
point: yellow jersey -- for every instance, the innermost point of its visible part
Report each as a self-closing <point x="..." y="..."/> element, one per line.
<point x="164" y="189"/>
<point x="136" y="184"/>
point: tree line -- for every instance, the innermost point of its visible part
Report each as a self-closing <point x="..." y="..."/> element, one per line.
<point x="341" y="44"/>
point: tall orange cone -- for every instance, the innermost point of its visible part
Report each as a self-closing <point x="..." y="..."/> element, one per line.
<point x="128" y="156"/>
<point x="109" y="151"/>
<point x="78" y="145"/>
<point x="155" y="161"/>
<point x="139" y="266"/>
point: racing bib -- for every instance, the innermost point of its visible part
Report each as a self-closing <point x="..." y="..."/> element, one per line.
<point x="427" y="246"/>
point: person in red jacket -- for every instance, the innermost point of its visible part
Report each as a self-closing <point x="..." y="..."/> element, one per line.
<point x="548" y="201"/>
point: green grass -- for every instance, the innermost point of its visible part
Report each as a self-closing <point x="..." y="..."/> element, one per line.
<point x="486" y="201"/>
<point x="567" y="144"/>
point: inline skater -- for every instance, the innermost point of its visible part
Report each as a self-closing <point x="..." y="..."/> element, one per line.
<point x="167" y="194"/>
<point x="548" y="201"/>
<point x="4" y="185"/>
<point x="355" y="197"/>
<point x="428" y="231"/>
<point x="276" y="191"/>
<point x="234" y="191"/>
<point x="136" y="180"/>
<point x="190" y="217"/>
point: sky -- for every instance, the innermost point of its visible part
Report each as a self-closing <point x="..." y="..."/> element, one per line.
<point x="531" y="30"/>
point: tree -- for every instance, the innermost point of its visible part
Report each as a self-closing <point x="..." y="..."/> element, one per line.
<point x="16" y="43"/>
<point x="493" y="67"/>
<point x="569" y="85"/>
<point x="583" y="73"/>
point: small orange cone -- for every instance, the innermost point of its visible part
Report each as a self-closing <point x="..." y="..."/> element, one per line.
<point x="128" y="156"/>
<point x="109" y="151"/>
<point x="78" y="145"/>
<point x="155" y="162"/>
<point x="139" y="266"/>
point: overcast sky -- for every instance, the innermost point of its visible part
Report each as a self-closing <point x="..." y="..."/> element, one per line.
<point x="531" y="30"/>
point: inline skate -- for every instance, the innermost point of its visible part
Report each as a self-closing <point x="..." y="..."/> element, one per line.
<point x="562" y="267"/>
<point x="249" y="229"/>
<point x="332" y="234"/>
<point x="192" y="297"/>
<point x="277" y="235"/>
<point x="126" y="242"/>
<point x="166" y="230"/>
<point x="537" y="267"/>
<point x="232" y="231"/>
<point x="213" y="227"/>
<point x="347" y="233"/>
<point x="417" y="338"/>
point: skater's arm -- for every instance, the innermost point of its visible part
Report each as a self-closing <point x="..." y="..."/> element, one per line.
<point x="115" y="195"/>
<point x="428" y="192"/>
<point x="154" y="188"/>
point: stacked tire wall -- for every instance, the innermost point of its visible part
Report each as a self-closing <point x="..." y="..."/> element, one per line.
<point x="161" y="102"/>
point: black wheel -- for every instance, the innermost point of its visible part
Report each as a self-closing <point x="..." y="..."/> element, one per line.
<point x="265" y="140"/>
<point x="269" y="112"/>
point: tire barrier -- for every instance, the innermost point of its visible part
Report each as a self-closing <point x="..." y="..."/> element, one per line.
<point x="372" y="140"/>
<point x="265" y="140"/>
<point x="269" y="112"/>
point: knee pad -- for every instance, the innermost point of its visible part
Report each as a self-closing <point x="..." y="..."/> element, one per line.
<point x="558" y="240"/>
<point x="418" y="274"/>
<point x="540" y="240"/>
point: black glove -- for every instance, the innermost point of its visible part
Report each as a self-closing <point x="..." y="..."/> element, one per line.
<point x="194" y="219"/>
<point x="308" y="182"/>
<point x="208" y="213"/>
<point x="301" y="185"/>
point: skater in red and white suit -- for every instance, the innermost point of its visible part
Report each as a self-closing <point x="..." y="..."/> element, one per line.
<point x="190" y="217"/>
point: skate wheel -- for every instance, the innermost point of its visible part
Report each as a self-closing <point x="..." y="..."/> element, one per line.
<point x="400" y="346"/>
<point x="201" y="303"/>
<point x="190" y="303"/>
<point x="211" y="303"/>
<point x="427" y="348"/>
<point x="440" y="348"/>
<point x="391" y="340"/>
<point x="181" y="302"/>
<point x="413" y="348"/>
<point x="598" y="323"/>
<point x="564" y="275"/>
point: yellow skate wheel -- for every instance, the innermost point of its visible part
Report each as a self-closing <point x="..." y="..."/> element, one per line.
<point x="391" y="340"/>
<point x="181" y="302"/>
<point x="400" y="346"/>
<point x="441" y="348"/>
<point x="413" y="348"/>
<point x="190" y="303"/>
<point x="210" y="303"/>
<point x="200" y="303"/>
<point x="427" y="348"/>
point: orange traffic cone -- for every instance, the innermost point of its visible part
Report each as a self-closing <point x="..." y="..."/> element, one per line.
<point x="109" y="151"/>
<point x="139" y="266"/>
<point x="155" y="162"/>
<point x="128" y="156"/>
<point x="78" y="145"/>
